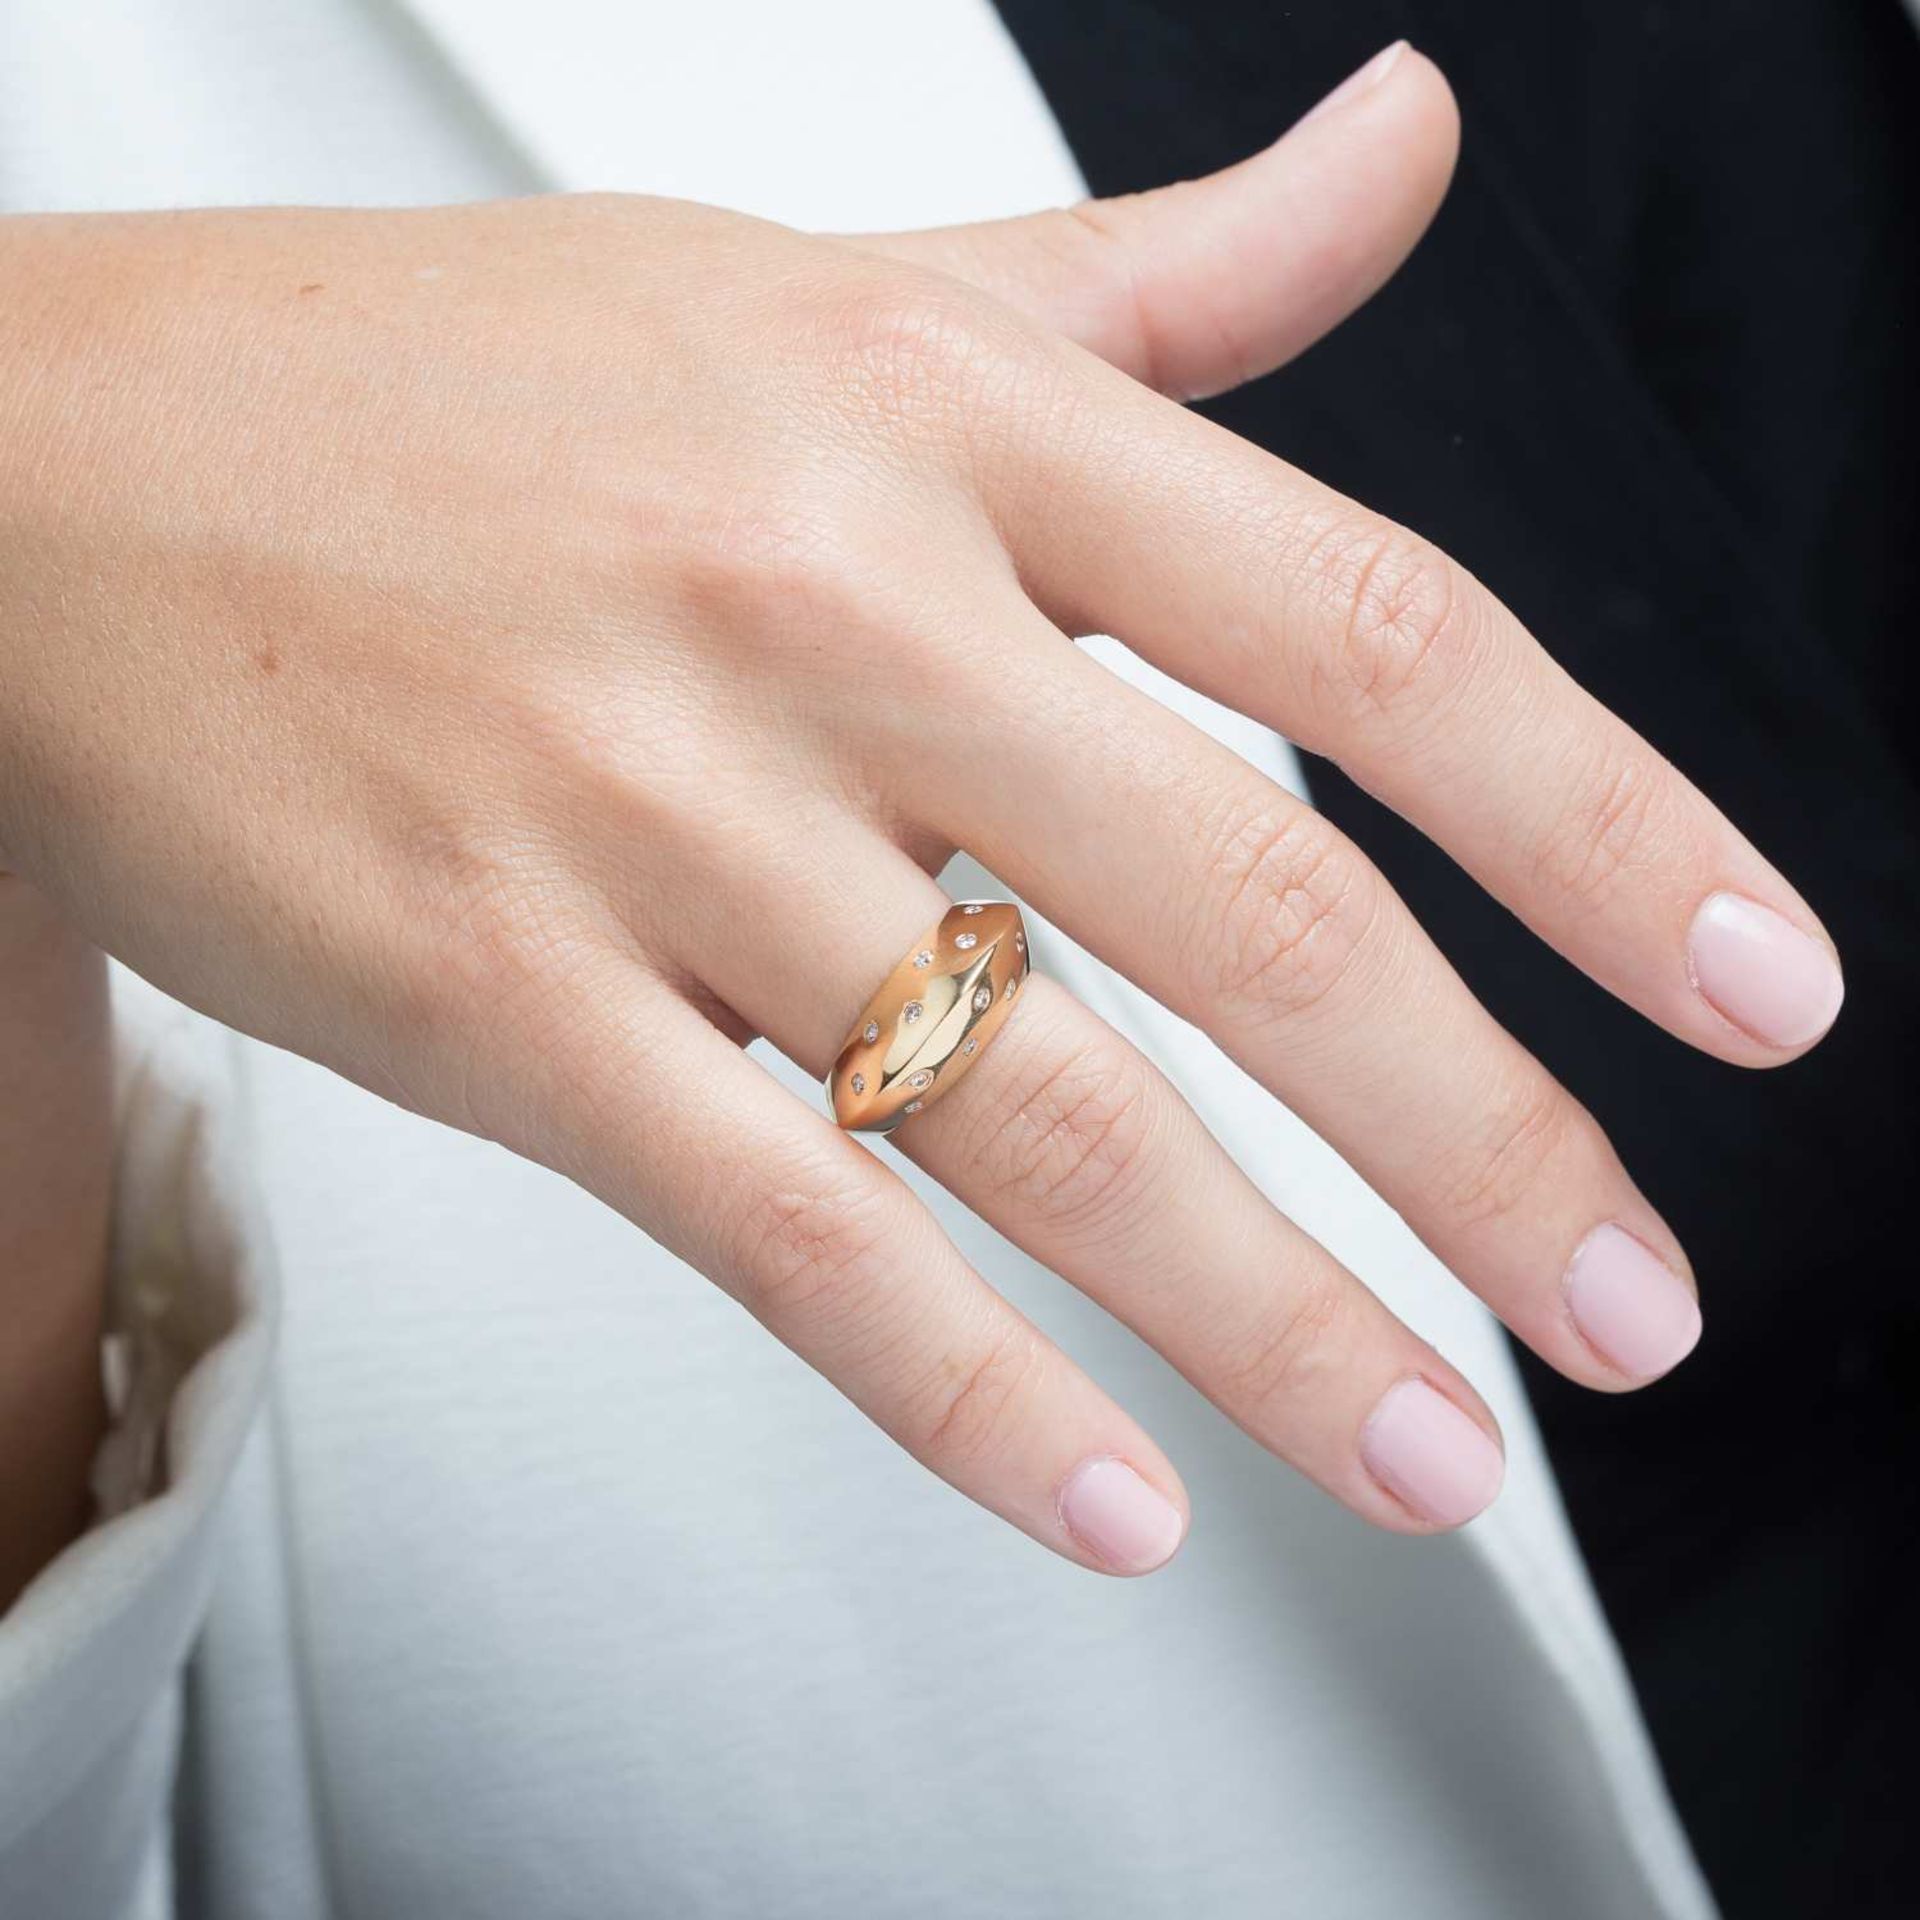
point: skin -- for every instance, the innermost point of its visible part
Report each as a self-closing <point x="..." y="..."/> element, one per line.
<point x="403" y="665"/>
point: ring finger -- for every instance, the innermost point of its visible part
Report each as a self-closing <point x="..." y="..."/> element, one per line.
<point x="1067" y="1140"/>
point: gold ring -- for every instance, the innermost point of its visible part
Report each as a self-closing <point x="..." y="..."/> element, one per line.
<point x="931" y="1020"/>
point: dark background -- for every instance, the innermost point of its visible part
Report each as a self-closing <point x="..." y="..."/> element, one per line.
<point x="1655" y="376"/>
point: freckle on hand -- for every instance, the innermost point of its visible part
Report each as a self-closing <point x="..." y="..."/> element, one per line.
<point x="267" y="660"/>
<point x="314" y="286"/>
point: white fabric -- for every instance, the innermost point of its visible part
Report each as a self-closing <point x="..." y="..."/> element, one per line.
<point x="547" y="1585"/>
<point x="90" y="1655"/>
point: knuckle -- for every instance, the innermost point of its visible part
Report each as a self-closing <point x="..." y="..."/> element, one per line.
<point x="471" y="964"/>
<point x="1605" y="834"/>
<point x="808" y="1248"/>
<point x="1298" y="906"/>
<point x="1301" y="1341"/>
<point x="776" y="561"/>
<point x="1495" y="1174"/>
<point x="917" y="350"/>
<point x="1073" y="1137"/>
<point x="971" y="1408"/>
<point x="1398" y="616"/>
<point x="476" y="1007"/>
<point x="486" y="927"/>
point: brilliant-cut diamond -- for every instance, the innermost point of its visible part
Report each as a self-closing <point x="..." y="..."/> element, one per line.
<point x="982" y="999"/>
<point x="972" y="907"/>
<point x="913" y="1106"/>
<point x="971" y="1044"/>
<point x="859" y="1083"/>
<point x="923" y="958"/>
<point x="921" y="1079"/>
<point x="872" y="1032"/>
<point x="912" y="1012"/>
<point x="1013" y="986"/>
<point x="966" y="942"/>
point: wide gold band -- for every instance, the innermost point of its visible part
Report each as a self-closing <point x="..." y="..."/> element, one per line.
<point x="933" y="1018"/>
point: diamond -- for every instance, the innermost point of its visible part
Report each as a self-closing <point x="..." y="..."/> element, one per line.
<point x="973" y="907"/>
<point x="859" y="1083"/>
<point x="1013" y="986"/>
<point x="921" y="1079"/>
<point x="911" y="1012"/>
<point x="971" y="1045"/>
<point x="1019" y="943"/>
<point x="913" y="1106"/>
<point x="872" y="1032"/>
<point x="982" y="999"/>
<point x="923" y="958"/>
<point x="966" y="942"/>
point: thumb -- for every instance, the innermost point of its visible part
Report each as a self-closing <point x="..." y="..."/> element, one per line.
<point x="1197" y="287"/>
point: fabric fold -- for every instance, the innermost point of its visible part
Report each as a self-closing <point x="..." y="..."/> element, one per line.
<point x="91" y="1653"/>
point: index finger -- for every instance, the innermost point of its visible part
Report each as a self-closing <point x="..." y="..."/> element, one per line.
<point x="1265" y="590"/>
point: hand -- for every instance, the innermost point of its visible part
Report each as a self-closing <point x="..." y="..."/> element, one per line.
<point x="513" y="653"/>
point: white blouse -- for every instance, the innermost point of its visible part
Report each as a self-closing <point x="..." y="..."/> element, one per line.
<point x="529" y="1579"/>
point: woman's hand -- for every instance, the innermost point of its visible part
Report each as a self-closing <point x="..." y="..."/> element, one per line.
<point x="513" y="653"/>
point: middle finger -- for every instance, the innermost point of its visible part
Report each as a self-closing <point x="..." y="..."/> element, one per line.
<point x="1247" y="912"/>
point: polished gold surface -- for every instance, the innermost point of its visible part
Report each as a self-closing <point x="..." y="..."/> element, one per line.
<point x="933" y="1018"/>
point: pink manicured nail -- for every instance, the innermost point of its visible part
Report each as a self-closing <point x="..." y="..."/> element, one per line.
<point x="1430" y="1455"/>
<point x="1114" y="1514"/>
<point x="1632" y="1308"/>
<point x="1355" y="84"/>
<point x="1761" y="972"/>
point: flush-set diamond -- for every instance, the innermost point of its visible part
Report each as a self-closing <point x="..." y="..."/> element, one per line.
<point x="980" y="991"/>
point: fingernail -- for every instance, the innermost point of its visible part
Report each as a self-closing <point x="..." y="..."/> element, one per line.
<point x="1355" y="84"/>
<point x="1630" y="1306"/>
<point x="1116" y="1516"/>
<point x="1757" y="969"/>
<point x="1430" y="1455"/>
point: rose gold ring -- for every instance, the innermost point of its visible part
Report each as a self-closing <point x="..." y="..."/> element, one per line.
<point x="931" y="1020"/>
